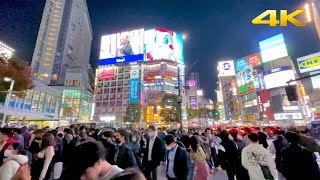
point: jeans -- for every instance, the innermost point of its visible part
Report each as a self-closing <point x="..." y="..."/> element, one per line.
<point x="191" y="171"/>
<point x="214" y="156"/>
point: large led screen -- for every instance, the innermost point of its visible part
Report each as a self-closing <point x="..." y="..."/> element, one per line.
<point x="163" y="44"/>
<point x="122" y="47"/>
<point x="278" y="79"/>
<point x="273" y="48"/>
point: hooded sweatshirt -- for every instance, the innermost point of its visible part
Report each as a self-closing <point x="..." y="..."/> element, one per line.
<point x="11" y="165"/>
<point x="252" y="156"/>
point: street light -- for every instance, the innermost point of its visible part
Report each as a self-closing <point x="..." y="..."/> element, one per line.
<point x="6" y="104"/>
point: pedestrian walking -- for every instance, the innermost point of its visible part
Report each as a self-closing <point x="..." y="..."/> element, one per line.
<point x="198" y="158"/>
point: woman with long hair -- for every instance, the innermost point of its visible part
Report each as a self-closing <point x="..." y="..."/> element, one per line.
<point x="199" y="160"/>
<point x="43" y="166"/>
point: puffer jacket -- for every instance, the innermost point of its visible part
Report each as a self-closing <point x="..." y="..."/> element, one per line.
<point x="11" y="165"/>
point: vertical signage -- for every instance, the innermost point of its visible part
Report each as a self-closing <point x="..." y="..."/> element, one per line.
<point x="134" y="86"/>
<point x="193" y="102"/>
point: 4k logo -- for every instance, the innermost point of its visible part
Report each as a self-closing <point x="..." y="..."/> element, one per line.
<point x="284" y="18"/>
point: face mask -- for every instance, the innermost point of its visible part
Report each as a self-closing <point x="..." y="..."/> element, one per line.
<point x="117" y="141"/>
<point x="8" y="153"/>
<point x="134" y="139"/>
<point x="151" y="134"/>
<point x="168" y="148"/>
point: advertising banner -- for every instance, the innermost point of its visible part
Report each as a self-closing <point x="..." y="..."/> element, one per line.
<point x="193" y="102"/>
<point x="163" y="44"/>
<point x="278" y="79"/>
<point x="122" y="59"/>
<point x="191" y="83"/>
<point x="122" y="44"/>
<point x="315" y="80"/>
<point x="134" y="90"/>
<point x="254" y="59"/>
<point x="309" y="63"/>
<point x="134" y="73"/>
<point x="106" y="73"/>
<point x="240" y="63"/>
<point x="273" y="48"/>
<point x="286" y="116"/>
<point x="245" y="76"/>
<point x="226" y="68"/>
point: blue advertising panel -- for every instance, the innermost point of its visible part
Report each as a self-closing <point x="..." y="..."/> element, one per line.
<point x="240" y="63"/>
<point x="273" y="48"/>
<point x="122" y="59"/>
<point x="134" y="90"/>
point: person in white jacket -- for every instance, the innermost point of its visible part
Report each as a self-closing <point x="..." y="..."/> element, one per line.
<point x="12" y="162"/>
<point x="255" y="154"/>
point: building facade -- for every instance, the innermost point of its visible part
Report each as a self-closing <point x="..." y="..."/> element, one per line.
<point x="6" y="52"/>
<point x="64" y="38"/>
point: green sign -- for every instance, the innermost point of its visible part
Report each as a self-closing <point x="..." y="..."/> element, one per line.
<point x="246" y="88"/>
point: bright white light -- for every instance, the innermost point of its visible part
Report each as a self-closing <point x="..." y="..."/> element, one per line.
<point x="6" y="79"/>
<point x="307" y="7"/>
<point x="184" y="37"/>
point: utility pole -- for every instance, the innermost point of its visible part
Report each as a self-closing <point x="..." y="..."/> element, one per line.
<point x="179" y="100"/>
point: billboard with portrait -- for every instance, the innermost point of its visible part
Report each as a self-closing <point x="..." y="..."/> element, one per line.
<point x="226" y="68"/>
<point x="122" y="47"/>
<point x="309" y="63"/>
<point x="273" y="48"/>
<point x="163" y="44"/>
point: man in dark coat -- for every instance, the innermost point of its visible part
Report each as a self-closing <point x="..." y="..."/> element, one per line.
<point x="111" y="148"/>
<point x="153" y="154"/>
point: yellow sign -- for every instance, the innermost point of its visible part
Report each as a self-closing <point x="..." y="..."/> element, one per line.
<point x="309" y="63"/>
<point x="284" y="18"/>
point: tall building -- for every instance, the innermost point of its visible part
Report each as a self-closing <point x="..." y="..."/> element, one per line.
<point x="62" y="54"/>
<point x="137" y="66"/>
<point x="64" y="39"/>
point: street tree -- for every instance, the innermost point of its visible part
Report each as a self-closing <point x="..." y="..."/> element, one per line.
<point x="133" y="113"/>
<point x="19" y="71"/>
<point x="170" y="108"/>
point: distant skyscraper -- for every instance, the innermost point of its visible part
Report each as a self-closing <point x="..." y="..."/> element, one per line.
<point x="64" y="40"/>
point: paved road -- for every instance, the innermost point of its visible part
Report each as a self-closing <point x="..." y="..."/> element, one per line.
<point x="216" y="176"/>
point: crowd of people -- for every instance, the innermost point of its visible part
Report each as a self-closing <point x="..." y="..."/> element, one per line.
<point x="75" y="153"/>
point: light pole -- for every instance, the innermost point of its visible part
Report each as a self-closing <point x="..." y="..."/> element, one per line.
<point x="6" y="103"/>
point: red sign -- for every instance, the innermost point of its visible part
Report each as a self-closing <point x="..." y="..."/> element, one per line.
<point x="254" y="59"/>
<point x="106" y="73"/>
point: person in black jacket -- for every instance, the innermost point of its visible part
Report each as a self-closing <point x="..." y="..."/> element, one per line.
<point x="111" y="149"/>
<point x="178" y="160"/>
<point x="185" y="139"/>
<point x="298" y="162"/>
<point x="154" y="154"/>
<point x="228" y="155"/>
<point x="126" y="157"/>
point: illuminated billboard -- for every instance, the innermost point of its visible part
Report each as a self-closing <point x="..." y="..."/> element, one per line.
<point x="6" y="51"/>
<point x="226" y="68"/>
<point x="278" y="78"/>
<point x="254" y="59"/>
<point x="240" y="63"/>
<point x="122" y="47"/>
<point x="193" y="102"/>
<point x="106" y="73"/>
<point x="273" y="48"/>
<point x="200" y="92"/>
<point x="134" y="86"/>
<point x="245" y="76"/>
<point x="309" y="63"/>
<point x="163" y="44"/>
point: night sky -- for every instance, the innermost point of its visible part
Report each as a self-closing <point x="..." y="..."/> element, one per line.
<point x="216" y="29"/>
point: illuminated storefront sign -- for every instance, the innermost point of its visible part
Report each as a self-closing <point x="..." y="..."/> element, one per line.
<point x="254" y="59"/>
<point x="290" y="108"/>
<point x="287" y="116"/>
<point x="240" y="63"/>
<point x="246" y="88"/>
<point x="309" y="63"/>
<point x="226" y="68"/>
<point x="191" y="83"/>
<point x="134" y="86"/>
<point x="123" y="59"/>
<point x="193" y="102"/>
<point x="106" y="73"/>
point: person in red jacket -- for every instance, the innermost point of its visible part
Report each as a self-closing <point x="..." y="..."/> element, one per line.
<point x="6" y="138"/>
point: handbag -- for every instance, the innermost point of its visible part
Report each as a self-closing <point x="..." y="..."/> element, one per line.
<point x="265" y="169"/>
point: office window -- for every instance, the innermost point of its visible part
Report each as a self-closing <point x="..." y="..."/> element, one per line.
<point x="47" y="59"/>
<point x="53" y="24"/>
<point x="51" y="39"/>
<point x="46" y="64"/>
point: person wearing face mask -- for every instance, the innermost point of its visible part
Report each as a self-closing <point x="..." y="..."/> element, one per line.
<point x="135" y="145"/>
<point x="178" y="160"/>
<point x="111" y="148"/>
<point x="126" y="157"/>
<point x="153" y="154"/>
<point x="13" y="160"/>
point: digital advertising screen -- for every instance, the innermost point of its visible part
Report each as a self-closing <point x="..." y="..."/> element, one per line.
<point x="226" y="68"/>
<point x="273" y="48"/>
<point x="245" y="76"/>
<point x="309" y="63"/>
<point x="278" y="79"/>
<point x="122" y="47"/>
<point x="163" y="44"/>
<point x="106" y="73"/>
<point x="254" y="60"/>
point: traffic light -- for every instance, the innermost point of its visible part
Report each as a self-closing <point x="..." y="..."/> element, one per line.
<point x="291" y="93"/>
<point x="215" y="114"/>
